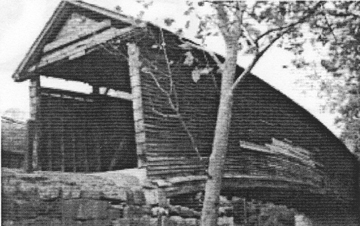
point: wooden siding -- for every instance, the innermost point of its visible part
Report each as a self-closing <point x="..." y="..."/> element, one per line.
<point x="260" y="114"/>
<point x="169" y="149"/>
<point x="13" y="142"/>
<point x="85" y="133"/>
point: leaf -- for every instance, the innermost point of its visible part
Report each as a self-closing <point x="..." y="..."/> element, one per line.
<point x="155" y="46"/>
<point x="118" y="9"/>
<point x="195" y="75"/>
<point x="189" y="59"/>
<point x="145" y="69"/>
<point x="187" y="25"/>
<point x="169" y="21"/>
<point x="185" y="45"/>
<point x="206" y="70"/>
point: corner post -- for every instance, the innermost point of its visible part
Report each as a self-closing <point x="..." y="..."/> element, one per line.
<point x="35" y="129"/>
<point x="135" y="82"/>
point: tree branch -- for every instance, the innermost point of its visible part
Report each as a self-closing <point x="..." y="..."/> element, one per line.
<point x="301" y="20"/>
<point x="329" y="26"/>
<point x="248" y="37"/>
<point x="255" y="60"/>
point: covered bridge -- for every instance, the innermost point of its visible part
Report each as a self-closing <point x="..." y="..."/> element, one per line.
<point x="153" y="106"/>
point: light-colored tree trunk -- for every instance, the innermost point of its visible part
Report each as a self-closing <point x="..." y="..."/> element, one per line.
<point x="220" y="144"/>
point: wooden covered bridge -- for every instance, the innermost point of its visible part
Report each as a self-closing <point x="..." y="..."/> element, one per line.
<point x="153" y="106"/>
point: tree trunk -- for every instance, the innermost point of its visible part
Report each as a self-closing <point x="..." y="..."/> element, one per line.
<point x="220" y="144"/>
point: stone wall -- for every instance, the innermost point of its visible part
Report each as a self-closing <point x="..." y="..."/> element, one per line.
<point x="54" y="198"/>
<point x="51" y="198"/>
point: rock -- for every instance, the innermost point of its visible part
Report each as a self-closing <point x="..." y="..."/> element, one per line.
<point x="186" y="212"/>
<point x="139" y="197"/>
<point x="147" y="209"/>
<point x="91" y="194"/>
<point x="153" y="222"/>
<point x="49" y="193"/>
<point x="71" y="192"/>
<point x="225" y="221"/>
<point x="8" y="189"/>
<point x="176" y="221"/>
<point x="92" y="209"/>
<point x="191" y="222"/>
<point x="26" y="209"/>
<point x="174" y="210"/>
<point x="45" y="221"/>
<point x="114" y="213"/>
<point x="83" y="209"/>
<point x="151" y="196"/>
<point x="120" y="194"/>
<point x="156" y="211"/>
<point x="144" y="221"/>
<point x="121" y="222"/>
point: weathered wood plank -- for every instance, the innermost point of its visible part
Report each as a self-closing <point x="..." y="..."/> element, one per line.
<point x="35" y="96"/>
<point x="28" y="163"/>
<point x="84" y="45"/>
<point x="81" y="34"/>
<point x="255" y="147"/>
<point x="138" y="114"/>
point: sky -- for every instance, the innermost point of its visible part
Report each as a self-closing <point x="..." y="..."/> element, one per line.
<point x="21" y="21"/>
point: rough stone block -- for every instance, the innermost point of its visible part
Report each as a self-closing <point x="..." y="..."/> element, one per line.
<point x="51" y="209"/>
<point x="151" y="196"/>
<point x="146" y="209"/>
<point x="192" y="222"/>
<point x="96" y="222"/>
<point x="176" y="221"/>
<point x="49" y="193"/>
<point x="114" y="213"/>
<point x="71" y="192"/>
<point x="87" y="194"/>
<point x="186" y="212"/>
<point x="25" y="209"/>
<point x="45" y="221"/>
<point x="156" y="211"/>
<point x="174" y="210"/>
<point x="120" y="194"/>
<point x="84" y="209"/>
<point x="27" y="189"/>
<point x="129" y="197"/>
<point x="121" y="222"/>
<point x="153" y="222"/>
<point x="139" y="197"/>
<point x="92" y="209"/>
<point x="225" y="221"/>
<point x="144" y="221"/>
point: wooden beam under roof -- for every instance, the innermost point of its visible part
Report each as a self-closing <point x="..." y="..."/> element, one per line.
<point x="81" y="34"/>
<point x="86" y="46"/>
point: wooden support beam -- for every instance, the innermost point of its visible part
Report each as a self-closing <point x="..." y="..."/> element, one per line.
<point x="75" y="37"/>
<point x="135" y="83"/>
<point x="116" y="93"/>
<point x="97" y="128"/>
<point x="28" y="166"/>
<point x="86" y="46"/>
<point x="34" y="91"/>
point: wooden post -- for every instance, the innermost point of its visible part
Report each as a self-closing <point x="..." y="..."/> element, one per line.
<point x="34" y="91"/>
<point x="73" y="143"/>
<point x="28" y="166"/>
<point x="62" y="146"/>
<point x="49" y="143"/>
<point x="96" y="129"/>
<point x="135" y="82"/>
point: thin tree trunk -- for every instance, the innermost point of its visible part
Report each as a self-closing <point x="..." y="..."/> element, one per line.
<point x="220" y="144"/>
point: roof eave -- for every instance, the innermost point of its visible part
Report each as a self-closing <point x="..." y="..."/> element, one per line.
<point x="35" y="49"/>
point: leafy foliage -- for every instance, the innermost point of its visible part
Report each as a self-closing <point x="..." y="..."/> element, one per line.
<point x="338" y="28"/>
